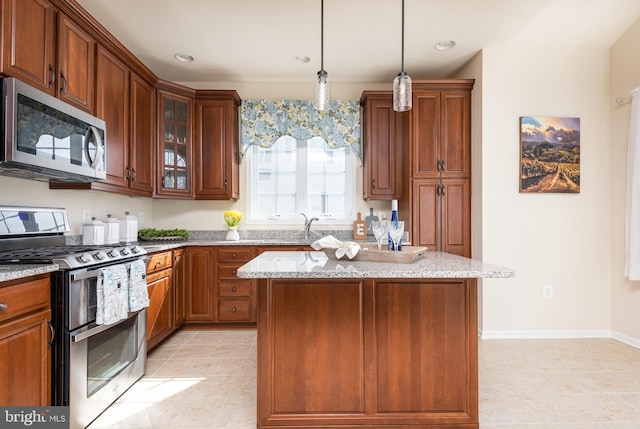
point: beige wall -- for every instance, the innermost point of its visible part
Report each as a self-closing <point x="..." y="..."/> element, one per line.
<point x="561" y="240"/>
<point x="624" y="76"/>
<point x="33" y="193"/>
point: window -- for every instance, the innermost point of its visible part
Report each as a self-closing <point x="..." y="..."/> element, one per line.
<point x="293" y="177"/>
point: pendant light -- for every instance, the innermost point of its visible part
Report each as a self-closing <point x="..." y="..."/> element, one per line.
<point x="322" y="90"/>
<point x="402" y="82"/>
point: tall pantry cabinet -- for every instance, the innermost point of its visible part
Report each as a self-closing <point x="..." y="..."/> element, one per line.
<point x="437" y="187"/>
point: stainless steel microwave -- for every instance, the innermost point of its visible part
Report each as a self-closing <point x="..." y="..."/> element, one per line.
<point x="44" y="138"/>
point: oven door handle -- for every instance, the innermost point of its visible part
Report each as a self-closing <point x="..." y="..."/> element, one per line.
<point x="83" y="335"/>
<point x="85" y="275"/>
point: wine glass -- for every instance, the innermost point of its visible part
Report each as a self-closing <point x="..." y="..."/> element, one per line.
<point x="396" y="230"/>
<point x="380" y="229"/>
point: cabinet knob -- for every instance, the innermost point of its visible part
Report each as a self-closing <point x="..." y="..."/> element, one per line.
<point x="3" y="306"/>
<point x="233" y="289"/>
<point x="234" y="273"/>
<point x="233" y="310"/>
<point x="234" y="256"/>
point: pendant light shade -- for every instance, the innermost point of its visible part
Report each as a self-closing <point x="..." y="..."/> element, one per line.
<point x="322" y="90"/>
<point x="402" y="83"/>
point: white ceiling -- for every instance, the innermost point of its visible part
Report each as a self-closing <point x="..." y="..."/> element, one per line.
<point x="257" y="40"/>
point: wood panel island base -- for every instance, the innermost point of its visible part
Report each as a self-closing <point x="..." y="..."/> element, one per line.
<point x="348" y="344"/>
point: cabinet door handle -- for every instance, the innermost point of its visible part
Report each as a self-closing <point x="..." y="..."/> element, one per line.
<point x="444" y="165"/>
<point x="133" y="177"/>
<point x="225" y="184"/>
<point x="233" y="289"/>
<point x="63" y="89"/>
<point x="53" y="333"/>
<point x="233" y="310"/>
<point x="158" y="263"/>
<point x="3" y="306"/>
<point x="128" y="176"/>
<point x="52" y="76"/>
<point x="373" y="183"/>
<point x="234" y="256"/>
<point x="234" y="273"/>
<point x="442" y="190"/>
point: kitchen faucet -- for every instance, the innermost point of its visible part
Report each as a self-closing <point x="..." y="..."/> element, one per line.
<point x="307" y="225"/>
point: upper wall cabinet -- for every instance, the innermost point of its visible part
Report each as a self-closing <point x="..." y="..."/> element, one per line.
<point x="174" y="171"/>
<point x="217" y="130"/>
<point x="45" y="48"/>
<point x="384" y="133"/>
<point x="441" y="132"/>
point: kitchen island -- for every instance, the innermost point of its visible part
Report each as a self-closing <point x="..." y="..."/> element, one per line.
<point x="347" y="344"/>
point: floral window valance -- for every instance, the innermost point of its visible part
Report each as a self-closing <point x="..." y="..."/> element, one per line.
<point x="265" y="121"/>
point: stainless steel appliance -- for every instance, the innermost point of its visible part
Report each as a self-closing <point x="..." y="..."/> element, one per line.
<point x="92" y="364"/>
<point x="44" y="138"/>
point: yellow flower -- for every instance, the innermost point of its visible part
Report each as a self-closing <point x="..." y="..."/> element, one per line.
<point x="232" y="217"/>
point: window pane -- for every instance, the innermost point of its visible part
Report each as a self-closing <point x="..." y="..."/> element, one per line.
<point x="287" y="183"/>
<point x="266" y="183"/>
<point x="286" y="204"/>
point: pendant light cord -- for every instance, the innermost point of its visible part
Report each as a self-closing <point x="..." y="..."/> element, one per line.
<point x="322" y="34"/>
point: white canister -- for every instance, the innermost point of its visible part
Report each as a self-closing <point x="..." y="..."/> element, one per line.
<point x="128" y="228"/>
<point x="111" y="230"/>
<point x="93" y="233"/>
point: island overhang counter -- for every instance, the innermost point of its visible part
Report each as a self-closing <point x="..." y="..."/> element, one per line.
<point x="348" y="344"/>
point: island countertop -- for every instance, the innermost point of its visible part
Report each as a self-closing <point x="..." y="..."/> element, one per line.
<point x="300" y="264"/>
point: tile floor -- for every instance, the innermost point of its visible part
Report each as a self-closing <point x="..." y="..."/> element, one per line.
<point x="206" y="379"/>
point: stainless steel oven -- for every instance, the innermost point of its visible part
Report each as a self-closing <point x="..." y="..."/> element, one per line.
<point x="92" y="364"/>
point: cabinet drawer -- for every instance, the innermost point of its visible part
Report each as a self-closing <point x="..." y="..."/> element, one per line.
<point x="236" y="254"/>
<point x="229" y="271"/>
<point x="23" y="296"/>
<point x="234" y="310"/>
<point x="237" y="288"/>
<point x="159" y="261"/>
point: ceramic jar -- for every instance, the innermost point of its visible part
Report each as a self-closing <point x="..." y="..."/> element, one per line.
<point x="128" y="228"/>
<point x="111" y="230"/>
<point x="93" y="233"/>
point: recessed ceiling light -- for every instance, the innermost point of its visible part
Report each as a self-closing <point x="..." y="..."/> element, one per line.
<point x="185" y="58"/>
<point x="302" y="59"/>
<point x="443" y="45"/>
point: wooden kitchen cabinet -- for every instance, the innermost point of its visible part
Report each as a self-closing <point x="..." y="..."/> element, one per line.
<point x="441" y="129"/>
<point x="442" y="215"/>
<point x="160" y="320"/>
<point x="235" y="297"/>
<point x="217" y="158"/>
<point x="42" y="46"/>
<point x="174" y="169"/>
<point x="25" y="367"/>
<point x="369" y="353"/>
<point x="126" y="102"/>
<point x="179" y="283"/>
<point x="200" y="302"/>
<point x="438" y="187"/>
<point x="384" y="136"/>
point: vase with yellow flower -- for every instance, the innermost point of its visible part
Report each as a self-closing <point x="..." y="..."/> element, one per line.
<point x="232" y="218"/>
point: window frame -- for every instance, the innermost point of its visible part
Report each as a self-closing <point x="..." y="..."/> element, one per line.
<point x="252" y="176"/>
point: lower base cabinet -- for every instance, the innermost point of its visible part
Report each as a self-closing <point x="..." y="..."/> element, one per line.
<point x="25" y="357"/>
<point x="166" y="288"/>
<point x="367" y="353"/>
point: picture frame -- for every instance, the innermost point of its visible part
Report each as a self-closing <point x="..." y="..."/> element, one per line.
<point x="549" y="154"/>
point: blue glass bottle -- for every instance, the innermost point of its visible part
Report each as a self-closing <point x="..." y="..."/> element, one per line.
<point x="394" y="218"/>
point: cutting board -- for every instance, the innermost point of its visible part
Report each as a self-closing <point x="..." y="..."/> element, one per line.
<point x="407" y="255"/>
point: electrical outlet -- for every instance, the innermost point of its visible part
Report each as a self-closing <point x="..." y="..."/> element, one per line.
<point x="547" y="291"/>
<point x="86" y="215"/>
<point x="141" y="218"/>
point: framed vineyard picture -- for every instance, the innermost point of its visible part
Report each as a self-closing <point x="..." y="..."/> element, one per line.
<point x="549" y="154"/>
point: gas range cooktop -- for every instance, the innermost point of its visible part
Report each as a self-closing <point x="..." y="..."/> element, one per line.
<point x="35" y="235"/>
<point x="71" y="257"/>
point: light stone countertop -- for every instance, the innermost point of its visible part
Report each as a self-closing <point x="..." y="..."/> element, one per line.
<point x="18" y="271"/>
<point x="317" y="265"/>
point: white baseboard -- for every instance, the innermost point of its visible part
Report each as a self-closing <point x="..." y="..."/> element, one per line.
<point x="630" y="341"/>
<point x="529" y="335"/>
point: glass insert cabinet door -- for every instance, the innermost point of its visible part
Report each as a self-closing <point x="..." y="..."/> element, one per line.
<point x="175" y="144"/>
